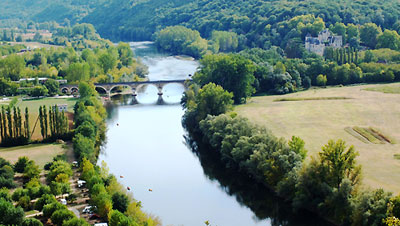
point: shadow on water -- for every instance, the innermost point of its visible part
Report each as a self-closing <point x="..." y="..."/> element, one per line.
<point x="259" y="199"/>
<point x="129" y="100"/>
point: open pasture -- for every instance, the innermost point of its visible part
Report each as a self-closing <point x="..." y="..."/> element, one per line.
<point x="354" y="116"/>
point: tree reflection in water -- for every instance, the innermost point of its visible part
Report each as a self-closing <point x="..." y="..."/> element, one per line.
<point x="259" y="199"/>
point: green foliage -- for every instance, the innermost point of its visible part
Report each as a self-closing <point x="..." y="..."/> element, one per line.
<point x="7" y="87"/>
<point x="75" y="222"/>
<point x="87" y="130"/>
<point x="49" y="209"/>
<point x="369" y="33"/>
<point x="39" y="91"/>
<point x="18" y="193"/>
<point x="6" y="174"/>
<point x="339" y="163"/>
<point x="254" y="149"/>
<point x="24" y="202"/>
<point x="125" y="54"/>
<point x="53" y="124"/>
<point x="370" y="207"/>
<point x="388" y="39"/>
<point x="61" y="215"/>
<point x="119" y="219"/>
<point x="78" y="72"/>
<point x="120" y="202"/>
<point x="31" y="170"/>
<point x="52" y="86"/>
<point x="5" y="194"/>
<point x="44" y="200"/>
<point x="233" y="72"/>
<point x="321" y="80"/>
<point x="257" y="23"/>
<point x="296" y="144"/>
<point x="84" y="147"/>
<point x="20" y="165"/>
<point x="10" y="215"/>
<point x="86" y="90"/>
<point x="11" y="67"/>
<point x="224" y="41"/>
<point x="59" y="167"/>
<point x="181" y="40"/>
<point x="31" y="222"/>
<point x="212" y="100"/>
<point x="107" y="61"/>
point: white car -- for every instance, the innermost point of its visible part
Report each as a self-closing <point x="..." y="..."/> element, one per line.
<point x="63" y="201"/>
<point x="81" y="183"/>
<point x="87" y="209"/>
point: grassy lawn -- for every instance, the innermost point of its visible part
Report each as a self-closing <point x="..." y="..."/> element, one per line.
<point x="40" y="153"/>
<point x="395" y="89"/>
<point x="321" y="118"/>
<point x="33" y="105"/>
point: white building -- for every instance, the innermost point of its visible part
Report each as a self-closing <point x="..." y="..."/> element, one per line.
<point x="61" y="107"/>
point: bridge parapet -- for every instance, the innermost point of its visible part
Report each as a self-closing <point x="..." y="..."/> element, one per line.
<point x="108" y="87"/>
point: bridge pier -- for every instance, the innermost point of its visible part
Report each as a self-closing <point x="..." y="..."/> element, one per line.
<point x="134" y="95"/>
<point x="160" y="100"/>
<point x="160" y="90"/>
<point x="134" y="92"/>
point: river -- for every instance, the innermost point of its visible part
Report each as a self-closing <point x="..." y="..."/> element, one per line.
<point x="146" y="144"/>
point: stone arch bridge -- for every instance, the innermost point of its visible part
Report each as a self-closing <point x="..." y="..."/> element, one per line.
<point x="108" y="87"/>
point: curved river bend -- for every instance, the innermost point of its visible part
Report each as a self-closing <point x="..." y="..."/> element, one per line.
<point x="146" y="144"/>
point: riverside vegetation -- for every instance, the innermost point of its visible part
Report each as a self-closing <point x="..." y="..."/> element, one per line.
<point x="99" y="61"/>
<point x="328" y="185"/>
<point x="269" y="57"/>
<point x="113" y="203"/>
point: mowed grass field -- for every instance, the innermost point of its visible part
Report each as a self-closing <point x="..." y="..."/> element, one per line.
<point x="40" y="153"/>
<point x="33" y="106"/>
<point x="318" y="116"/>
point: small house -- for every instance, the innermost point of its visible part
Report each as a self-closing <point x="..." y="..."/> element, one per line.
<point x="61" y="107"/>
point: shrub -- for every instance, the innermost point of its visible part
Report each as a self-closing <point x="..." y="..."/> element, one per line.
<point x="321" y="80"/>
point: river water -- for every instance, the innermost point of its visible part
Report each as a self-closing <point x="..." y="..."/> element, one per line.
<point x="146" y="145"/>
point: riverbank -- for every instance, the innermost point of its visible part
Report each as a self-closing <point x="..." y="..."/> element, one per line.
<point x="317" y="121"/>
<point x="328" y="185"/>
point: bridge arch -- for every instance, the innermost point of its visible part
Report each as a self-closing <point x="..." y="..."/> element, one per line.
<point x="174" y="84"/>
<point x="118" y="86"/>
<point x="65" y="90"/>
<point x="74" y="90"/>
<point x="98" y="88"/>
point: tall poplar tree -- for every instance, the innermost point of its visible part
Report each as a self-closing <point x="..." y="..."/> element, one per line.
<point x="27" y="127"/>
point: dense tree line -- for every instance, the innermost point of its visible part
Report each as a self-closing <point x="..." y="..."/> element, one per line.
<point x="67" y="12"/>
<point x="258" y="23"/>
<point x="89" y="124"/>
<point x="15" y="129"/>
<point x="112" y="202"/>
<point x="10" y="49"/>
<point x="111" y="64"/>
<point x="53" y="123"/>
<point x="6" y="175"/>
<point x="182" y="40"/>
<point x="328" y="185"/>
<point x="254" y="23"/>
<point x="269" y="71"/>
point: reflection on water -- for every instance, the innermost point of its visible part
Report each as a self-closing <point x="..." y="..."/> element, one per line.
<point x="262" y="202"/>
<point x="145" y="144"/>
